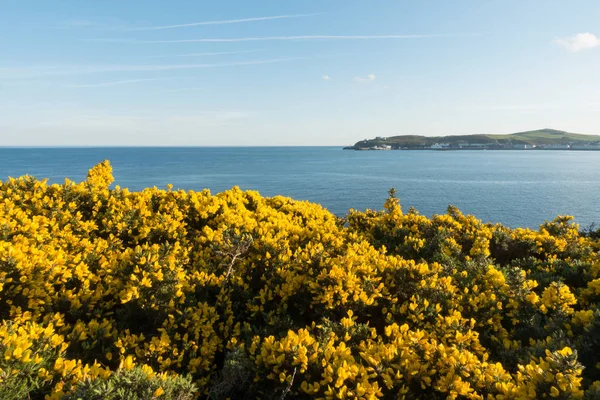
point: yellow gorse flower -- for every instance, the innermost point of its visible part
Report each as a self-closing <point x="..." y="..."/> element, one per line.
<point x="252" y="295"/>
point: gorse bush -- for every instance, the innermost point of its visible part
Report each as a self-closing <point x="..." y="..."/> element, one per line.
<point x="162" y="294"/>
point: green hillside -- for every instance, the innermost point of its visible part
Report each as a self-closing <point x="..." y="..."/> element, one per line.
<point x="537" y="137"/>
<point x="547" y="136"/>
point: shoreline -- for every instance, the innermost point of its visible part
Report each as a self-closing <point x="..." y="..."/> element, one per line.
<point x="486" y="149"/>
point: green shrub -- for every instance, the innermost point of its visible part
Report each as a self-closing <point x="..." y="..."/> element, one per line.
<point x="135" y="384"/>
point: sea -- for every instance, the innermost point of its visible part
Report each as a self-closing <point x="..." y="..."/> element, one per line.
<point x="516" y="188"/>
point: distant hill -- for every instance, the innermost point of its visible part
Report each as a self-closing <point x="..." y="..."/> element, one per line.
<point x="541" y="137"/>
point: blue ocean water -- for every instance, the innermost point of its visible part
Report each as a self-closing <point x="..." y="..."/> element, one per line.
<point x="517" y="188"/>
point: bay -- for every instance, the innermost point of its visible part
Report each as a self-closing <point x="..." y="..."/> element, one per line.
<point x="516" y="188"/>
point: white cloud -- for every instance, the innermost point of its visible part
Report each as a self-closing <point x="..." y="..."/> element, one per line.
<point x="365" y="79"/>
<point x="326" y="78"/>
<point x="579" y="42"/>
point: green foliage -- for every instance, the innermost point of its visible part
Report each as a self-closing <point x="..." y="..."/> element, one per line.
<point x="235" y="376"/>
<point x="134" y="384"/>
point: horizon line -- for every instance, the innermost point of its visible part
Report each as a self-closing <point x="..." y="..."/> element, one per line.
<point x="156" y="146"/>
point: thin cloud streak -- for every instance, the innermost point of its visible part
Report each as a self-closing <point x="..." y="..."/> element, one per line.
<point x="38" y="83"/>
<point x="92" y="25"/>
<point x="276" y="38"/>
<point x="112" y="83"/>
<point x="220" y="53"/>
<point x="80" y="23"/>
<point x="222" y="22"/>
<point x="182" y="89"/>
<point x="16" y="73"/>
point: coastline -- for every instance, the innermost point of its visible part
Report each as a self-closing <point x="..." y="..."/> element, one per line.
<point x="466" y="149"/>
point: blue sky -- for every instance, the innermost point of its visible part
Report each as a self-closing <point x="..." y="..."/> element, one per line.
<point x="293" y="72"/>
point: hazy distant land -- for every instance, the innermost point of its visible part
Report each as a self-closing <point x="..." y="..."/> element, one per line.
<point x="543" y="139"/>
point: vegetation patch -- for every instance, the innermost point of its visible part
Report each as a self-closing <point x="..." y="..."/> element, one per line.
<point x="162" y="294"/>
